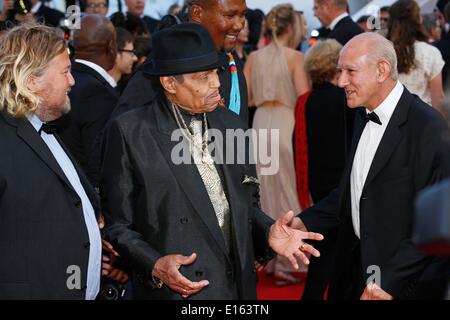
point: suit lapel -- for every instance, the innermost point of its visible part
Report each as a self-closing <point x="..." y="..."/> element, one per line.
<point x="391" y="137"/>
<point x="90" y="192"/>
<point x="187" y="175"/>
<point x="29" y="135"/>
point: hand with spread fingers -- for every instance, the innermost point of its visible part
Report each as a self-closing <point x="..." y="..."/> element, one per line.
<point x="167" y="268"/>
<point x="289" y="242"/>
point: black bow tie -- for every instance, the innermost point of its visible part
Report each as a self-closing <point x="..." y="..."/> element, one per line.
<point x="373" y="117"/>
<point x="49" y="128"/>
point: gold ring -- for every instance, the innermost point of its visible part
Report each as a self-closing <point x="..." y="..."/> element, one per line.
<point x="302" y="247"/>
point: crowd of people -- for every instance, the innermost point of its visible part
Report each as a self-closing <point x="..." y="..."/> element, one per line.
<point x="93" y="191"/>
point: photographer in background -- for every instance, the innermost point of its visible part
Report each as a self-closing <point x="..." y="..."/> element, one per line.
<point x="29" y="11"/>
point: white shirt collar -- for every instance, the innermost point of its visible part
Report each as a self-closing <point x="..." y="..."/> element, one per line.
<point x="336" y="20"/>
<point x="35" y="121"/>
<point x="100" y="70"/>
<point x="385" y="109"/>
<point x="36" y="7"/>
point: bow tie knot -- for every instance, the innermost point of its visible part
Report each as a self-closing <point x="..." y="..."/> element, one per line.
<point x="372" y="116"/>
<point x="49" y="128"/>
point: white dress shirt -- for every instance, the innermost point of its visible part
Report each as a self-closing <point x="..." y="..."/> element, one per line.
<point x="100" y="70"/>
<point x="336" y="20"/>
<point x="367" y="147"/>
<point x="95" y="249"/>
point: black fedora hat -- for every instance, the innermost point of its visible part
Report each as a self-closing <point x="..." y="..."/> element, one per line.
<point x="183" y="48"/>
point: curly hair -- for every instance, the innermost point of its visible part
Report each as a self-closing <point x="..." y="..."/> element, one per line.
<point x="25" y="51"/>
<point x="321" y="60"/>
<point x="404" y="29"/>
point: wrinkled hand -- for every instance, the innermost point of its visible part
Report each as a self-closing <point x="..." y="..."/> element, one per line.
<point x="166" y="269"/>
<point x="374" y="292"/>
<point x="287" y="241"/>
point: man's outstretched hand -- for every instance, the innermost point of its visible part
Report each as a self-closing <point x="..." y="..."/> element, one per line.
<point x="289" y="242"/>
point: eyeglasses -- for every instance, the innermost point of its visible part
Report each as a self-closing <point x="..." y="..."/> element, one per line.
<point x="97" y="5"/>
<point x="129" y="51"/>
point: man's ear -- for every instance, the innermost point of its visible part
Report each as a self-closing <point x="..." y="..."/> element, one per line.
<point x="32" y="83"/>
<point x="196" y="13"/>
<point x="168" y="83"/>
<point x="383" y="70"/>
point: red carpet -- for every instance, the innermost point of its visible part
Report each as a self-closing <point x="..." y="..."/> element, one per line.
<point x="267" y="290"/>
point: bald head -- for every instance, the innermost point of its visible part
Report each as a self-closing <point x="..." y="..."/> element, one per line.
<point x="95" y="41"/>
<point x="374" y="47"/>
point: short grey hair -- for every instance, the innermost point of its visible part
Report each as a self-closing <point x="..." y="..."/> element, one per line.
<point x="378" y="47"/>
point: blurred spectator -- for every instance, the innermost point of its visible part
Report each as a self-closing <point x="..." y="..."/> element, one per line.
<point x="125" y="58"/>
<point x="46" y="15"/>
<point x="7" y="8"/>
<point x="142" y="49"/>
<point x="323" y="129"/>
<point x="22" y="12"/>
<point x="384" y="17"/>
<point x="167" y="21"/>
<point x="419" y="64"/>
<point x="93" y="96"/>
<point x="444" y="47"/>
<point x="137" y="7"/>
<point x="256" y="27"/>
<point x="333" y="15"/>
<point x="242" y="39"/>
<point x="96" y="7"/>
<point x="362" y="23"/>
<point x="432" y="27"/>
<point x="303" y="34"/>
<point x="275" y="78"/>
<point x="174" y="9"/>
<point x="130" y="22"/>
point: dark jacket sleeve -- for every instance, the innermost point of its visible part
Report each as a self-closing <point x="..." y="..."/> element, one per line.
<point x="117" y="191"/>
<point x="324" y="215"/>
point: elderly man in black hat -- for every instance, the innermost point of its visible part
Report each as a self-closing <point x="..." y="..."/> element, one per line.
<point x="189" y="229"/>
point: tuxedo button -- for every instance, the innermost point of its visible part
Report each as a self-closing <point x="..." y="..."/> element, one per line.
<point x="87" y="245"/>
<point x="363" y="198"/>
<point x="250" y="220"/>
<point x="229" y="273"/>
<point x="184" y="220"/>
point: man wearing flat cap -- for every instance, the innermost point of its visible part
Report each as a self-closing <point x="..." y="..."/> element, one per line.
<point x="189" y="229"/>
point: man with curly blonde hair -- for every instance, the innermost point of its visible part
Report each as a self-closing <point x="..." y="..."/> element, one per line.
<point x="49" y="237"/>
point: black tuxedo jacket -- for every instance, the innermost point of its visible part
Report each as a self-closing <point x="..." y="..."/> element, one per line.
<point x="92" y="99"/>
<point x="344" y="30"/>
<point x="412" y="155"/>
<point x="42" y="227"/>
<point x="140" y="92"/>
<point x="154" y="207"/>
